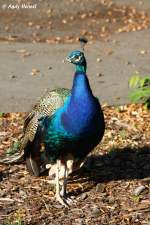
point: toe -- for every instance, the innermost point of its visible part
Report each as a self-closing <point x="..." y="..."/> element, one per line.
<point x="62" y="201"/>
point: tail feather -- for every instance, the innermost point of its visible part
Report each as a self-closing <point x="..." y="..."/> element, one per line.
<point x="16" y="158"/>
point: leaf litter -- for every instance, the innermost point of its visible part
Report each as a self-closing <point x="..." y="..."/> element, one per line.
<point x="111" y="188"/>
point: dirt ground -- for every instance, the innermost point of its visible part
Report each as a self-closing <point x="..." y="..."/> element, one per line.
<point x="112" y="188"/>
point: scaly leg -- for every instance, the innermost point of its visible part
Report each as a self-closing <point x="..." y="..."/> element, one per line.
<point x="67" y="199"/>
<point x="64" y="184"/>
<point x="58" y="196"/>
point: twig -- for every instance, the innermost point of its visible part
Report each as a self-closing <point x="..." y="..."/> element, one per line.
<point x="11" y="200"/>
<point x="7" y="199"/>
<point x="46" y="206"/>
<point x="125" y="125"/>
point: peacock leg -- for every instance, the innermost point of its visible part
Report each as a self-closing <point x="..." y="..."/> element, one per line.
<point x="59" y="198"/>
<point x="64" y="186"/>
<point x="68" y="170"/>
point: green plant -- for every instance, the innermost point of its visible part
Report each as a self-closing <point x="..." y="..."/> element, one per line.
<point x="13" y="149"/>
<point x="140" y="89"/>
<point x="2" y="114"/>
<point x="123" y="134"/>
<point x="16" y="222"/>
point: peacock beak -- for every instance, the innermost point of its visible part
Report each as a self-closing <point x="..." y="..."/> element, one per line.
<point x="68" y="59"/>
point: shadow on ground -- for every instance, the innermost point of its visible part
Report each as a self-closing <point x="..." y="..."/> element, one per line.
<point x="118" y="164"/>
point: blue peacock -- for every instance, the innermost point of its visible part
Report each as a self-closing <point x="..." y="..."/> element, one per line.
<point x="63" y="127"/>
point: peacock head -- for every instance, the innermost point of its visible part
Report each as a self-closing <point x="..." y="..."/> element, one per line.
<point x="77" y="58"/>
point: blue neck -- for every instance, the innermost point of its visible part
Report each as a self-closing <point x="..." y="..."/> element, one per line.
<point x="79" y="110"/>
<point x="81" y="89"/>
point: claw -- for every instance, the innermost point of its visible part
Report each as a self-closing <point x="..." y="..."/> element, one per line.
<point x="69" y="201"/>
<point x="62" y="201"/>
<point x="65" y="201"/>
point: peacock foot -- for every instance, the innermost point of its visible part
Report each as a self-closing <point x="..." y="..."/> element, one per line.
<point x="69" y="200"/>
<point x="63" y="200"/>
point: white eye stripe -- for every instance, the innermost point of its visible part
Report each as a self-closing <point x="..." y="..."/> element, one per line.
<point x="75" y="56"/>
<point x="78" y="59"/>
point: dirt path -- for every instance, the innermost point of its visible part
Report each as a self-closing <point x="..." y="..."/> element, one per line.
<point x="36" y="40"/>
<point x="28" y="69"/>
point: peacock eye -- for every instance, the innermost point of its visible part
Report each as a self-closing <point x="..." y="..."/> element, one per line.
<point x="77" y="57"/>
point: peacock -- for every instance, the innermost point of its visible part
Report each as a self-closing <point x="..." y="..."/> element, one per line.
<point x="63" y="128"/>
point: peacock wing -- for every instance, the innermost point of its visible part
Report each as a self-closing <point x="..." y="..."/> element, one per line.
<point x="46" y="106"/>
